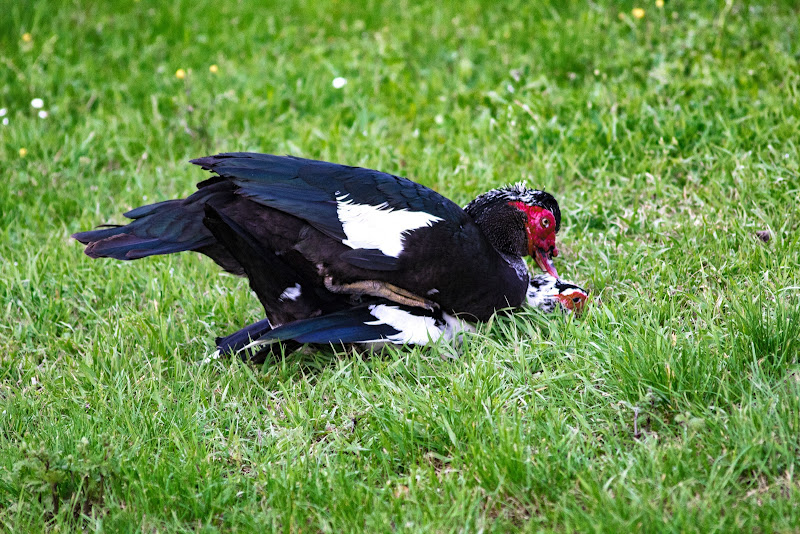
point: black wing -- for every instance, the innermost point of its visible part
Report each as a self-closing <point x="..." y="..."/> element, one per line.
<point x="315" y="191"/>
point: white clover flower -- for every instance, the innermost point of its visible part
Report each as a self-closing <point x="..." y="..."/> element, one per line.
<point x="5" y="121"/>
<point x="339" y="82"/>
<point x="42" y="114"/>
<point x="37" y="103"/>
<point x="3" y="112"/>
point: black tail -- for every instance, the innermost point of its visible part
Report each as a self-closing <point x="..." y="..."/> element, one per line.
<point x="163" y="228"/>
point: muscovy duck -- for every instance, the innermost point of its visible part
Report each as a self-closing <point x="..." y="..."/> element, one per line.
<point x="296" y="316"/>
<point x="354" y="231"/>
<point x="382" y="322"/>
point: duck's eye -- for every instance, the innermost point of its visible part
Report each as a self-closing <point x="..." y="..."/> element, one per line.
<point x="546" y="222"/>
<point x="576" y="300"/>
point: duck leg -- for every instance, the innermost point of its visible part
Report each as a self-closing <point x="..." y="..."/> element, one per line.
<point x="385" y="290"/>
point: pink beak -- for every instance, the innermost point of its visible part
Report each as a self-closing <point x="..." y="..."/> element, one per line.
<point x="544" y="262"/>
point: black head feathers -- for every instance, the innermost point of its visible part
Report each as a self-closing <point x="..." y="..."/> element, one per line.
<point x="515" y="193"/>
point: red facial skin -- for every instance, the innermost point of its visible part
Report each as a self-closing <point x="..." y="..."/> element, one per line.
<point x="574" y="300"/>
<point x="541" y="230"/>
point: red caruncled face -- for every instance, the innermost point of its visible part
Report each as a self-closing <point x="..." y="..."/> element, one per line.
<point x="573" y="299"/>
<point x="541" y="230"/>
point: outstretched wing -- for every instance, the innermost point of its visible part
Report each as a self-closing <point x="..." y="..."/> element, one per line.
<point x="362" y="208"/>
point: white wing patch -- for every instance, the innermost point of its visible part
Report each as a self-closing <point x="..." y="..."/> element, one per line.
<point x="416" y="329"/>
<point x="291" y="293"/>
<point x="379" y="227"/>
<point x="413" y="329"/>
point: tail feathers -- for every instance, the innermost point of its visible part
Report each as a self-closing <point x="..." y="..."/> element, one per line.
<point x="149" y="209"/>
<point x="161" y="228"/>
<point x="125" y="246"/>
<point x="101" y="232"/>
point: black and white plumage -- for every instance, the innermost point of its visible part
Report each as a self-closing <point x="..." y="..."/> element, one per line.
<point x="340" y="229"/>
<point x="381" y="322"/>
<point x="550" y="294"/>
<point x="297" y="314"/>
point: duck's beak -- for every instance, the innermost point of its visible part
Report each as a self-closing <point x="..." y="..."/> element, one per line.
<point x="544" y="261"/>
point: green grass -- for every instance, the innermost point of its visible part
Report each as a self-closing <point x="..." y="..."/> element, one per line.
<point x="673" y="405"/>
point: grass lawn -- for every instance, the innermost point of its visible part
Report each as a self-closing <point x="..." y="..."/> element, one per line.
<point x="669" y="135"/>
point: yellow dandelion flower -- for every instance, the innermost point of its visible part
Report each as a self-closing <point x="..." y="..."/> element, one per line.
<point x="213" y="69"/>
<point x="180" y="74"/>
<point x="637" y="12"/>
<point x="659" y="4"/>
<point x="23" y="152"/>
<point x="27" y="37"/>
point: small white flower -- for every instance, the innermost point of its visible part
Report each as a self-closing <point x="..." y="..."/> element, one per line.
<point x="42" y="114"/>
<point x="5" y="121"/>
<point x="510" y="88"/>
<point x="37" y="103"/>
<point x="3" y="112"/>
<point x="339" y="82"/>
<point x="438" y="119"/>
